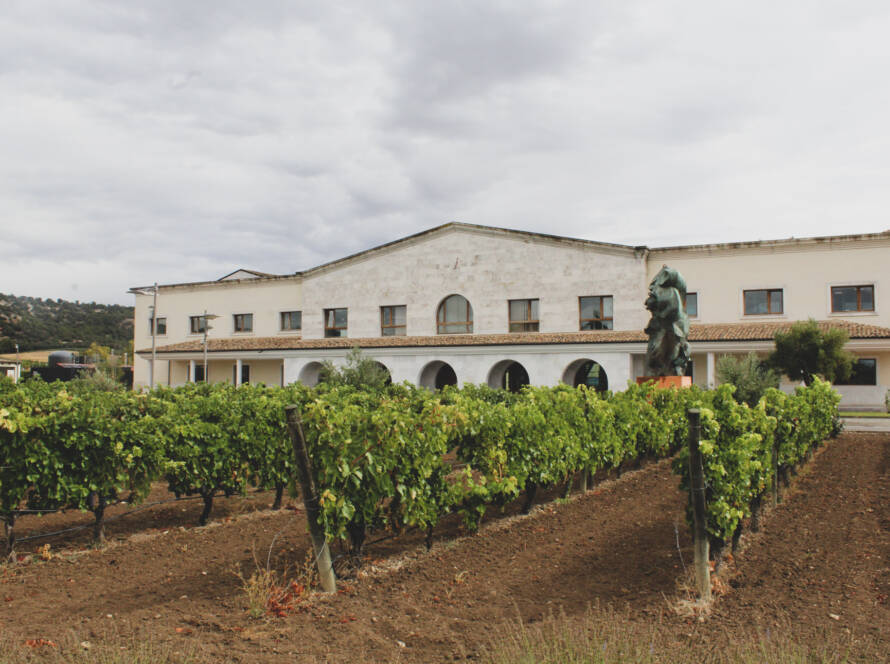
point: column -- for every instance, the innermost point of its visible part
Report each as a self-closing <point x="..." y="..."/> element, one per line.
<point x="238" y="372"/>
<point x="712" y="379"/>
<point x="191" y="371"/>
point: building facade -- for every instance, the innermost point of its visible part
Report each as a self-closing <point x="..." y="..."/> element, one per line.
<point x="463" y="303"/>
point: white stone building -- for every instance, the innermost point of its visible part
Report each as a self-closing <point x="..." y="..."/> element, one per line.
<point x="473" y="304"/>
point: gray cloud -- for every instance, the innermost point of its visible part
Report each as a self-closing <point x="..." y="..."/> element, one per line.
<point x="177" y="141"/>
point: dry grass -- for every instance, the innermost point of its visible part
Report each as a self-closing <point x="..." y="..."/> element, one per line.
<point x="111" y="649"/>
<point x="269" y="593"/>
<point x="31" y="355"/>
<point x="606" y="636"/>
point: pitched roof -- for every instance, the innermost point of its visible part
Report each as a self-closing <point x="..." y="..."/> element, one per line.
<point x="764" y="331"/>
<point x="541" y="237"/>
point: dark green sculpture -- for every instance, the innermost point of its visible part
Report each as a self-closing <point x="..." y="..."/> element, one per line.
<point x="668" y="351"/>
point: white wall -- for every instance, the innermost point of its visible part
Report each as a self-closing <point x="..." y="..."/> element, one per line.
<point x="545" y="366"/>
<point x="488" y="269"/>
<point x="265" y="299"/>
<point x="805" y="270"/>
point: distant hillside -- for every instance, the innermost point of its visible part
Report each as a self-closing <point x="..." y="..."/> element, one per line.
<point x="34" y="323"/>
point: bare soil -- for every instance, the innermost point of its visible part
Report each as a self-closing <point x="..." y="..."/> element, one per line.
<point x="821" y="563"/>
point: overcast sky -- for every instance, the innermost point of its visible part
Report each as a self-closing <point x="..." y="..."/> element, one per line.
<point x="179" y="140"/>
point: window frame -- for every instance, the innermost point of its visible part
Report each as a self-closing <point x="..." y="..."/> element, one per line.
<point x="200" y="318"/>
<point x="442" y="322"/>
<point x="686" y="304"/>
<point x="859" y="309"/>
<point x="391" y="324"/>
<point x="769" y="297"/>
<point x="602" y="319"/>
<point x="528" y="321"/>
<point x="242" y="318"/>
<point x="874" y="373"/>
<point x="156" y="331"/>
<point x="289" y="314"/>
<point x="335" y="327"/>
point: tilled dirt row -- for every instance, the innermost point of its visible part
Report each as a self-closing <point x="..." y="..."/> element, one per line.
<point x="822" y="561"/>
<point x="822" y="553"/>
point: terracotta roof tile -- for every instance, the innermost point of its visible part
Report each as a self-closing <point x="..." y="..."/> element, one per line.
<point x="698" y="332"/>
<point x="766" y="331"/>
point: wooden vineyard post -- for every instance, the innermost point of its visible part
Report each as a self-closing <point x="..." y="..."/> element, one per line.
<point x="697" y="493"/>
<point x="775" y="461"/>
<point x="310" y="500"/>
<point x="9" y="528"/>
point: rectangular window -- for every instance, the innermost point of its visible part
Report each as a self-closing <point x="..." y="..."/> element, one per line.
<point x="392" y="321"/>
<point x="764" y="301"/>
<point x="243" y="322"/>
<point x="692" y="305"/>
<point x="335" y="322"/>
<point x="852" y="298"/>
<point x="865" y="372"/>
<point x="291" y="320"/>
<point x="197" y="324"/>
<point x="162" y="326"/>
<point x="523" y="315"/>
<point x="199" y="373"/>
<point x="596" y="312"/>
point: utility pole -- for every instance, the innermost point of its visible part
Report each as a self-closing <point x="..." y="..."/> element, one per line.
<point x="154" y="337"/>
<point x="207" y="328"/>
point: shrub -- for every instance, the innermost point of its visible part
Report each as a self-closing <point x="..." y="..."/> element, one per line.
<point x="749" y="374"/>
<point x="359" y="372"/>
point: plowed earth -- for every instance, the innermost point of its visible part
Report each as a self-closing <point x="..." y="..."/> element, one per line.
<point x="821" y="562"/>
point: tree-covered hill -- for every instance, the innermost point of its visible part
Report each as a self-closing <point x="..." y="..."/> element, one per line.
<point x="34" y="323"/>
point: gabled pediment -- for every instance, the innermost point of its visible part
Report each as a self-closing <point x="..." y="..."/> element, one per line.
<point x="242" y="273"/>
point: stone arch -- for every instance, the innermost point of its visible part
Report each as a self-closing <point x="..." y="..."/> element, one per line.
<point x="386" y="369"/>
<point x="310" y="374"/>
<point x="436" y="375"/>
<point x="585" y="371"/>
<point x="508" y="375"/>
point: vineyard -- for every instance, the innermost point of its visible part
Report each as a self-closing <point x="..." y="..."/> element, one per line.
<point x="621" y="543"/>
<point x="390" y="459"/>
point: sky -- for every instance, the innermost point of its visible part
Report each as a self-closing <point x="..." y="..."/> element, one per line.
<point x="173" y="141"/>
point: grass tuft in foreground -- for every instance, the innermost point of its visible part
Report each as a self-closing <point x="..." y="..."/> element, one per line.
<point x="605" y="636"/>
<point x="111" y="649"/>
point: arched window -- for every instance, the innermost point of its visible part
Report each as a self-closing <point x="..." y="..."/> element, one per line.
<point x="455" y="316"/>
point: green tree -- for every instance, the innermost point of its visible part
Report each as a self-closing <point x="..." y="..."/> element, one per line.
<point x="750" y="375"/>
<point x="99" y="354"/>
<point x="359" y="372"/>
<point x="806" y="351"/>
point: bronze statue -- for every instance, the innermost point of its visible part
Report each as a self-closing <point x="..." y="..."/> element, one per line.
<point x="668" y="350"/>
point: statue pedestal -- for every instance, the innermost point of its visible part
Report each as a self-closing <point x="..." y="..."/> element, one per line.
<point x="667" y="381"/>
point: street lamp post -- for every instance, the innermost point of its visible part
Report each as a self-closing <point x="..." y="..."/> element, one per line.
<point x="154" y="338"/>
<point x="207" y="327"/>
